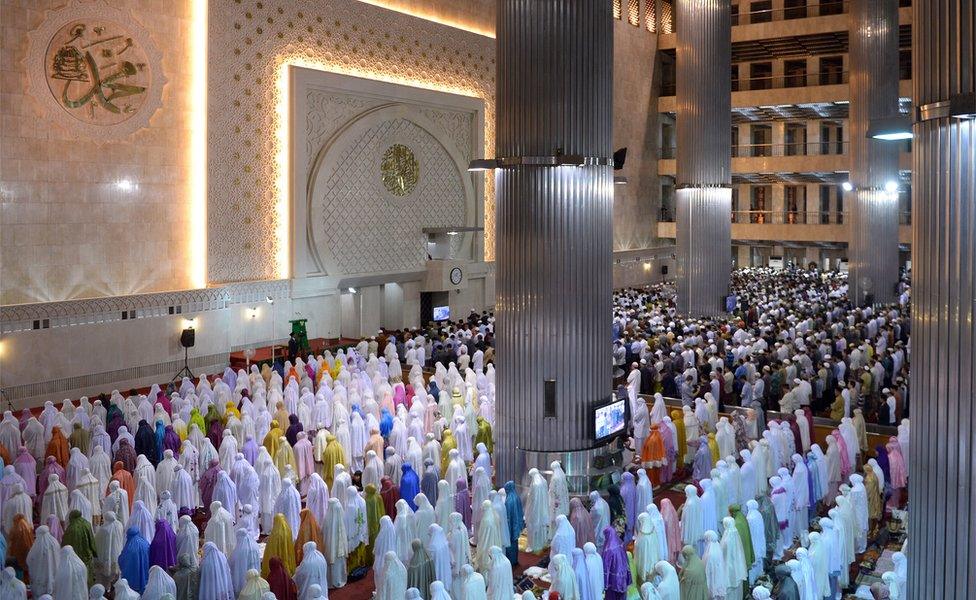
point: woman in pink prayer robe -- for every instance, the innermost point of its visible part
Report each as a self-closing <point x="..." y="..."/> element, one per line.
<point x="672" y="528"/>
<point x="305" y="460"/>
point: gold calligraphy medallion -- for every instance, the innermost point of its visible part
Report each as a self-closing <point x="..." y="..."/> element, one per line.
<point x="96" y="72"/>
<point x="400" y="170"/>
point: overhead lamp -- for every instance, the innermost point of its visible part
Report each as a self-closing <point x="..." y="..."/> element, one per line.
<point x="847" y="186"/>
<point x="842" y="102"/>
<point x="891" y="187"/>
<point x="619" y="180"/>
<point x="352" y="290"/>
<point x="890" y="128"/>
<point x="452" y="233"/>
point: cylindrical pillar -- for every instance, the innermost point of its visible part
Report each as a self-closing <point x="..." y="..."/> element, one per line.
<point x="703" y="195"/>
<point x="942" y="453"/>
<point x="873" y="249"/>
<point x="553" y="231"/>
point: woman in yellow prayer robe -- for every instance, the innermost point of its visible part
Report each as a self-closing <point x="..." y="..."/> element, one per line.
<point x="713" y="447"/>
<point x="308" y="531"/>
<point x="374" y="512"/>
<point x="279" y="545"/>
<point x="271" y="439"/>
<point x="281" y="416"/>
<point x="285" y="457"/>
<point x="679" y="424"/>
<point x="448" y="443"/>
<point x="196" y="417"/>
<point x="230" y="409"/>
<point x="873" y="491"/>
<point x="332" y="455"/>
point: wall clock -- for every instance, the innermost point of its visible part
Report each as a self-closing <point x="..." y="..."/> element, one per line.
<point x="456" y="276"/>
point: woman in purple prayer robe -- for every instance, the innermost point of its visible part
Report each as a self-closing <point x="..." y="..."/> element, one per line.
<point x="208" y="480"/>
<point x="171" y="441"/>
<point x="616" y="569"/>
<point x="462" y="501"/>
<point x="628" y="490"/>
<point x="162" y="550"/>
<point x="702" y="467"/>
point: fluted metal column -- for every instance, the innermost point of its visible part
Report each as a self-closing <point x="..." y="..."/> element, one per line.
<point x="873" y="249"/>
<point x="553" y="228"/>
<point x="703" y="198"/>
<point x="942" y="455"/>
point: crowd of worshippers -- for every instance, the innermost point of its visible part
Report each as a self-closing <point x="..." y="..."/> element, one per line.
<point x="469" y="342"/>
<point x="794" y="342"/>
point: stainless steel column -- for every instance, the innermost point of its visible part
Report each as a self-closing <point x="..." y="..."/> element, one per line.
<point x="873" y="249"/>
<point x="942" y="456"/>
<point x="553" y="227"/>
<point x="703" y="195"/>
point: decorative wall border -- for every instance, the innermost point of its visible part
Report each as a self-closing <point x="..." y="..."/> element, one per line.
<point x="44" y="315"/>
<point x="34" y="61"/>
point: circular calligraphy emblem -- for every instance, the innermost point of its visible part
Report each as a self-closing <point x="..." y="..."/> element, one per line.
<point x="400" y="170"/>
<point x="95" y="69"/>
<point x="97" y="72"/>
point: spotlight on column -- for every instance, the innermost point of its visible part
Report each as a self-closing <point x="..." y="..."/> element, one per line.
<point x="352" y="290"/>
<point x="847" y="186"/>
<point x="891" y="187"/>
<point x="482" y="164"/>
<point x="890" y="128"/>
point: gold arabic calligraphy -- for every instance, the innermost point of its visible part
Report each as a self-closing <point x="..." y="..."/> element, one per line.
<point x="96" y="72"/>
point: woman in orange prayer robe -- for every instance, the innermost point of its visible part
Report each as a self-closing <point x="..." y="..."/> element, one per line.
<point x="653" y="454"/>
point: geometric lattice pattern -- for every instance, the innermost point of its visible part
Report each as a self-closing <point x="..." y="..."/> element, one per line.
<point x="367" y="229"/>
<point x="256" y="39"/>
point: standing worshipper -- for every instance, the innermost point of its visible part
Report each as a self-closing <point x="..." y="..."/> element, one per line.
<point x="159" y="585"/>
<point x="187" y="578"/>
<point x="71" y="579"/>
<point x="313" y="570"/>
<point x="134" y="560"/>
<point x="537" y="516"/>
<point x="336" y="543"/>
<point x="693" y="581"/>
<point x="393" y="580"/>
<point x="280" y="544"/>
<point x="420" y="573"/>
<point x="280" y="582"/>
<point x="245" y="558"/>
<point x="516" y="520"/>
<point x="215" y="578"/>
<point x="162" y="549"/>
<point x="78" y="534"/>
<point x="616" y="570"/>
<point x="42" y="562"/>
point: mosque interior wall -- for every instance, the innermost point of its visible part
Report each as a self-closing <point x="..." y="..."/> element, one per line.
<point x="102" y="225"/>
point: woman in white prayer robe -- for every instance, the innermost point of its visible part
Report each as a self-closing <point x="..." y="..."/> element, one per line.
<point x="393" y="580"/>
<point x="819" y="562"/>
<point x="144" y="467"/>
<point x="440" y="554"/>
<point x="473" y="586"/>
<point x="225" y="492"/>
<point x="668" y="588"/>
<point x="165" y="471"/>
<point x="386" y="541"/>
<point x="124" y="592"/>
<point x="159" y="585"/>
<point x="18" y="503"/>
<point x="215" y="578"/>
<point x="445" y="503"/>
<point x="146" y="493"/>
<point x="55" y="501"/>
<point x="481" y="486"/>
<point x="692" y="519"/>
<point x="270" y="485"/>
<point x="716" y="572"/>
<point x="76" y="462"/>
<point x="735" y="558"/>
<point x="43" y="560"/>
<point x="563" y="578"/>
<point x="563" y="537"/>
<point x="423" y="517"/>
<point x="220" y="529"/>
<point x="313" y="571"/>
<point x="859" y="502"/>
<point x="600" y="516"/>
<point x="99" y="463"/>
<point x="537" y="515"/>
<point x="77" y="501"/>
<point x="483" y="459"/>
<point x="490" y="534"/>
<point x="405" y="524"/>
<point x="255" y="587"/>
<point x="142" y="520"/>
<point x="373" y="470"/>
<point x="289" y="504"/>
<point x="647" y="549"/>
<point x="336" y="544"/>
<point x="460" y="545"/>
<point x="500" y="584"/>
<point x="558" y="492"/>
<point x="109" y="540"/>
<point x="185" y="493"/>
<point x="12" y="588"/>
<point x="71" y="578"/>
<point x="455" y="467"/>
<point x="245" y="557"/>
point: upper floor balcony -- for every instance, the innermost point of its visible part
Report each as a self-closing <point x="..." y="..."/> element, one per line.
<point x="816" y="157"/>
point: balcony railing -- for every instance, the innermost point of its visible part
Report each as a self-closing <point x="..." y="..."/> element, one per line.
<point x="809" y="9"/>
<point x="832" y="148"/>
<point x="795" y="80"/>
<point x="789" y="217"/>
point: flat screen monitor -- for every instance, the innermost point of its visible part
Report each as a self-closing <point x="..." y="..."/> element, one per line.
<point x="442" y="313"/>
<point x="610" y="419"/>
